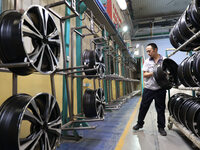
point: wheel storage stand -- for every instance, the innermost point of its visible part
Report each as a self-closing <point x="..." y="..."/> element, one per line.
<point x="171" y="120"/>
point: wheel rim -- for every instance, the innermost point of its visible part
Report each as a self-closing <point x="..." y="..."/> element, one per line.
<point x="188" y="72"/>
<point x="165" y="74"/>
<point x="39" y="29"/>
<point x="94" y="60"/>
<point x="191" y="117"/>
<point x="100" y="102"/>
<point x="31" y="37"/>
<point x="40" y="116"/>
<point x="183" y="111"/>
<point x="181" y="73"/>
<point x="94" y="103"/>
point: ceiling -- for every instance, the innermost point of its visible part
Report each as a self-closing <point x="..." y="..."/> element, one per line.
<point x="153" y="18"/>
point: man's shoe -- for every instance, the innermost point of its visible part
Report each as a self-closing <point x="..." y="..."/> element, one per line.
<point x="162" y="131"/>
<point x="137" y="127"/>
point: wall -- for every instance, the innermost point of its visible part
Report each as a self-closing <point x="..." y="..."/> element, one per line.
<point x="162" y="44"/>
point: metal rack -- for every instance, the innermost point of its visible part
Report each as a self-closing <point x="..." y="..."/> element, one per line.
<point x="74" y="119"/>
<point x="171" y="120"/>
<point x="184" y="130"/>
<point x="72" y="71"/>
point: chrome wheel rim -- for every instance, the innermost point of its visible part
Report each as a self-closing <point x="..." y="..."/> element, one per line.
<point x="34" y="125"/>
<point x="41" y="39"/>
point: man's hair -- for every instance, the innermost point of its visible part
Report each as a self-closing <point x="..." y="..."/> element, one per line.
<point x="153" y="45"/>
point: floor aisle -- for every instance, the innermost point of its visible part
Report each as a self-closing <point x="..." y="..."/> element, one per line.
<point x="107" y="133"/>
<point x="148" y="138"/>
<point x="115" y="133"/>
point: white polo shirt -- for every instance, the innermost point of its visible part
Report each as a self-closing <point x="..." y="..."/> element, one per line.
<point x="150" y="82"/>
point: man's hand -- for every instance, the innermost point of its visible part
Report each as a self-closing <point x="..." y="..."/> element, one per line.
<point x="147" y="74"/>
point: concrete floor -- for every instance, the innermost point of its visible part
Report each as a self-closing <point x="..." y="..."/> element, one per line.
<point x="115" y="133"/>
<point x="148" y="138"/>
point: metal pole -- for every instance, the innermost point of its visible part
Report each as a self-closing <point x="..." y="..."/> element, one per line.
<point x="71" y="68"/>
<point x="186" y="43"/>
<point x="81" y="78"/>
<point x="14" y="84"/>
<point x="53" y="85"/>
<point x="64" y="66"/>
<point x="15" y="4"/>
<point x="72" y="65"/>
<point x="14" y="65"/>
<point x="94" y="82"/>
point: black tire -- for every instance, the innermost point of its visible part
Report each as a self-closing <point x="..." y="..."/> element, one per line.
<point x="31" y="37"/>
<point x="39" y="115"/>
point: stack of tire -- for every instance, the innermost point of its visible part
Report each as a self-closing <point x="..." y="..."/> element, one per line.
<point x="187" y="26"/>
<point x="189" y="71"/>
<point x="185" y="109"/>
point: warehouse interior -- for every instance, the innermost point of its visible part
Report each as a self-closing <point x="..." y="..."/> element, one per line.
<point x="71" y="74"/>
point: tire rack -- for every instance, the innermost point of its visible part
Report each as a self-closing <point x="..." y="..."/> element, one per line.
<point x="171" y="120"/>
<point x="126" y="78"/>
<point x="3" y="67"/>
<point x="65" y="71"/>
<point x="74" y="119"/>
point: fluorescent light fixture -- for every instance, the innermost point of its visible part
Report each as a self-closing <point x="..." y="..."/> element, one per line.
<point x="137" y="45"/>
<point x="125" y="28"/>
<point x="122" y="4"/>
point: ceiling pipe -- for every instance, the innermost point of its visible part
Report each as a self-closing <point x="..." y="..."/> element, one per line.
<point x="149" y="36"/>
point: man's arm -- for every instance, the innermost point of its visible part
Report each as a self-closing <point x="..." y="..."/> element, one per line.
<point x="147" y="74"/>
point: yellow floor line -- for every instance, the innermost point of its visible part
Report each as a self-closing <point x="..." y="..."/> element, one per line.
<point x="124" y="134"/>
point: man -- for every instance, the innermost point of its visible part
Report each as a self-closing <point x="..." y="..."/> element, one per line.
<point x="152" y="91"/>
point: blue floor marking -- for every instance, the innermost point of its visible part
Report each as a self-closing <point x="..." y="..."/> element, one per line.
<point x="107" y="133"/>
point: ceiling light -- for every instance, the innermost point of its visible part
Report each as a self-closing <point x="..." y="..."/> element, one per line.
<point x="122" y="4"/>
<point x="125" y="28"/>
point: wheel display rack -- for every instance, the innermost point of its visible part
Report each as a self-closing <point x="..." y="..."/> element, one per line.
<point x="68" y="72"/>
<point x="171" y="120"/>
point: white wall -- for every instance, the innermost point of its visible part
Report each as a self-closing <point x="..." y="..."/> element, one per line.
<point x="162" y="44"/>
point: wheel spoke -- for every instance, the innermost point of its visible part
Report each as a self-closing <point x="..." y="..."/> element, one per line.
<point x="51" y="107"/>
<point x="34" y="108"/>
<point x="44" y="16"/>
<point x="54" y="126"/>
<point x="97" y="100"/>
<point x="53" y="59"/>
<point x="27" y="30"/>
<point x="103" y="99"/>
<point x="34" y="56"/>
<point x="31" y="140"/>
<point x="97" y="64"/>
<point x="54" y="37"/>
<point x="30" y="117"/>
<point x="48" y="108"/>
<point x="39" y="66"/>
<point x="97" y="97"/>
<point x="98" y="110"/>
<point x="31" y="33"/>
<point x="46" y="142"/>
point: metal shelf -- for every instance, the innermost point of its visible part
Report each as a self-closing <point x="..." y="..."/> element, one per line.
<point x="185" y="131"/>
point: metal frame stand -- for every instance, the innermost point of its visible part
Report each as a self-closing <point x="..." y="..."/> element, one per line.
<point x="171" y="120"/>
<point x="185" y="131"/>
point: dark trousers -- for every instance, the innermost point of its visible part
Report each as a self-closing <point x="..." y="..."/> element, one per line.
<point x="147" y="98"/>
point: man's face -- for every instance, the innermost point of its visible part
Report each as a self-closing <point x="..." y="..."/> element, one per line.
<point x="150" y="51"/>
